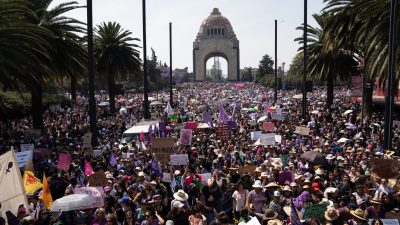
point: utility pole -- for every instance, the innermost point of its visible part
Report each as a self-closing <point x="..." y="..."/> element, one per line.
<point x="92" y="100"/>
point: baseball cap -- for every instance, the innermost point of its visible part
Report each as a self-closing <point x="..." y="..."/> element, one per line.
<point x="277" y="194"/>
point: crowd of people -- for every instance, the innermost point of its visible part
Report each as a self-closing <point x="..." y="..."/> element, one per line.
<point x="233" y="180"/>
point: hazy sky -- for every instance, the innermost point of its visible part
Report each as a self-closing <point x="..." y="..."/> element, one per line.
<point x="252" y="21"/>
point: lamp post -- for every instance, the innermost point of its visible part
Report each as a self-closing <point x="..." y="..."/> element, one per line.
<point x="389" y="99"/>
<point x="171" y="95"/>
<point x="304" y="111"/>
<point x="146" y="108"/>
<point x="92" y="100"/>
<point x="276" y="62"/>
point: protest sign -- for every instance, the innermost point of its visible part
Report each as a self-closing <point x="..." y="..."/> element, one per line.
<point x="205" y="177"/>
<point x="32" y="133"/>
<point x="302" y="130"/>
<point x="97" y="201"/>
<point x="253" y="221"/>
<point x="186" y="136"/>
<point x="64" y="161"/>
<point x="255" y="135"/>
<point x="87" y="144"/>
<point x="267" y="139"/>
<point x="163" y="143"/>
<point x="246" y="169"/>
<point x="178" y="160"/>
<point x="23" y="157"/>
<point x="97" y="152"/>
<point x="315" y="211"/>
<point x="278" y="138"/>
<point x="166" y="178"/>
<point x="386" y="221"/>
<point x="268" y="126"/>
<point x="385" y="168"/>
<point x="26" y="147"/>
<point x="97" y="179"/>
<point x="223" y="133"/>
<point x="278" y="117"/>
<point x="191" y="125"/>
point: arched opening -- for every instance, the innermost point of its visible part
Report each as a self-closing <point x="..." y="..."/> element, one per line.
<point x="216" y="68"/>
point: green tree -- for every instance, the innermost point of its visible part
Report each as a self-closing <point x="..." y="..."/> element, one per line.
<point x="248" y="74"/>
<point x="326" y="65"/>
<point x="265" y="67"/>
<point x="115" y="54"/>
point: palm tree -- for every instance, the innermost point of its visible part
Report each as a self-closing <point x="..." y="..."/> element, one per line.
<point x="66" y="57"/>
<point x="326" y="64"/>
<point x="115" y="54"/>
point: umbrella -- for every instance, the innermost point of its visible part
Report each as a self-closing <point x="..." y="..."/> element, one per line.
<point x="104" y="104"/>
<point x="262" y="119"/>
<point x="155" y="103"/>
<point x="314" y="157"/>
<point x="76" y="202"/>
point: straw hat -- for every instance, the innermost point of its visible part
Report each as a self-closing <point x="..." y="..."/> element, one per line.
<point x="276" y="163"/>
<point x="271" y="184"/>
<point x="331" y="214"/>
<point x="274" y="222"/>
<point x="294" y="184"/>
<point x="376" y="200"/>
<point x="306" y="186"/>
<point x="264" y="174"/>
<point x="359" y="214"/>
<point x="180" y="195"/>
<point x="270" y="214"/>
<point x="287" y="188"/>
<point x="319" y="171"/>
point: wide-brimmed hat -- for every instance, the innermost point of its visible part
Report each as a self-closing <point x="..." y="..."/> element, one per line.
<point x="376" y="200"/>
<point x="330" y="156"/>
<point x="287" y="188"/>
<point x="274" y="222"/>
<point x="271" y="184"/>
<point x="294" y="184"/>
<point x="331" y="214"/>
<point x="257" y="184"/>
<point x="276" y="163"/>
<point x="359" y="214"/>
<point x="270" y="214"/>
<point x="319" y="171"/>
<point x="264" y="174"/>
<point x="180" y="195"/>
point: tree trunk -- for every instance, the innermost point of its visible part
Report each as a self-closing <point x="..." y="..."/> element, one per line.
<point x="111" y="92"/>
<point x="329" y="91"/>
<point x="73" y="88"/>
<point x="367" y="96"/>
<point x="36" y="104"/>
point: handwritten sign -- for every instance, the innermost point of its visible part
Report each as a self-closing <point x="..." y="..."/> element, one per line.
<point x="278" y="117"/>
<point x="267" y="139"/>
<point x="255" y="135"/>
<point x="181" y="159"/>
<point x="64" y="161"/>
<point x="23" y="157"/>
<point x="315" y="211"/>
<point x="163" y="143"/>
<point x="278" y="138"/>
<point x="223" y="133"/>
<point x="26" y="147"/>
<point x="87" y="140"/>
<point x="186" y="136"/>
<point x="268" y="126"/>
<point x="97" y="152"/>
<point x="302" y="130"/>
<point x="166" y="178"/>
<point x="97" y="179"/>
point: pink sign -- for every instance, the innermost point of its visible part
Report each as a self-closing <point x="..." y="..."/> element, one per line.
<point x="186" y="137"/>
<point x="268" y="126"/>
<point x="191" y="125"/>
<point x="64" y="161"/>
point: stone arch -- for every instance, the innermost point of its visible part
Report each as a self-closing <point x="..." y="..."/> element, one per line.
<point x="216" y="38"/>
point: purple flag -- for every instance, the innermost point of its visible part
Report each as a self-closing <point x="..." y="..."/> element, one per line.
<point x="223" y="116"/>
<point x="232" y="118"/>
<point x="113" y="161"/>
<point x="294" y="216"/>
<point x="207" y="119"/>
<point x="155" y="168"/>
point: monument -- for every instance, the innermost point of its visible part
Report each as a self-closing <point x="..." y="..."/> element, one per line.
<point x="216" y="38"/>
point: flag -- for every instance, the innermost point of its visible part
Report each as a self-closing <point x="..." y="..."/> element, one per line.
<point x="112" y="161"/>
<point x="232" y="118"/>
<point x="294" y="216"/>
<point x="31" y="183"/>
<point x="168" y="109"/>
<point x="11" y="186"/>
<point x="155" y="168"/>
<point x="142" y="138"/>
<point x="46" y="196"/>
<point x="207" y="119"/>
<point x="88" y="169"/>
<point x="223" y="116"/>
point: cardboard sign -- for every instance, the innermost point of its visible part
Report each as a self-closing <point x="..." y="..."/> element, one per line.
<point x="64" y="161"/>
<point x="163" y="143"/>
<point x="26" y="147"/>
<point x="23" y="157"/>
<point x="223" y="133"/>
<point x="268" y="126"/>
<point x="267" y="139"/>
<point x="178" y="160"/>
<point x="247" y="169"/>
<point x="385" y="168"/>
<point x="315" y="211"/>
<point x="97" y="179"/>
<point x="186" y="136"/>
<point x="255" y="135"/>
<point x="302" y="130"/>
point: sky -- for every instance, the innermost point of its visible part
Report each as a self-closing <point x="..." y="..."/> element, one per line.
<point x="252" y="21"/>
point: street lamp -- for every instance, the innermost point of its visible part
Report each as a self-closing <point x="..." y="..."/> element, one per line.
<point x="171" y="96"/>
<point x="276" y="62"/>
<point x="92" y="100"/>
<point x="146" y="107"/>
<point x="304" y="111"/>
